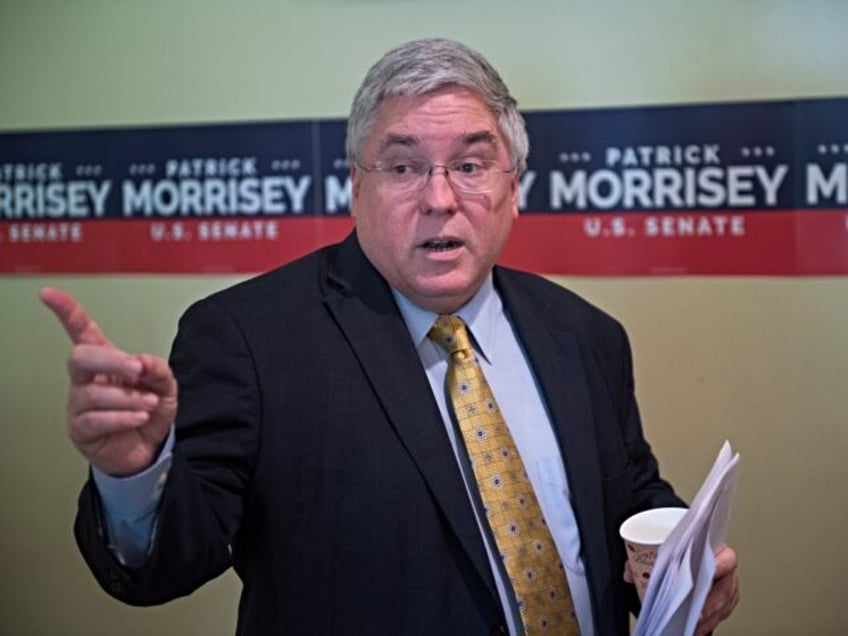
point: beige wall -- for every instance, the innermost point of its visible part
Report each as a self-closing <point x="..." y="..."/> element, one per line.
<point x="761" y="361"/>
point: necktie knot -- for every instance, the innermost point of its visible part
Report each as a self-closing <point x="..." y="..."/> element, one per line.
<point x="450" y="334"/>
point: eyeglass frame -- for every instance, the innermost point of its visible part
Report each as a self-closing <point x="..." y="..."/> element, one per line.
<point x="446" y="172"/>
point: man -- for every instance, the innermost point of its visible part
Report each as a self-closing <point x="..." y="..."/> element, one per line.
<point x="317" y="448"/>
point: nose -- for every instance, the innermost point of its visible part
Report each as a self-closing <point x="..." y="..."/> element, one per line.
<point x="438" y="194"/>
<point x="438" y="169"/>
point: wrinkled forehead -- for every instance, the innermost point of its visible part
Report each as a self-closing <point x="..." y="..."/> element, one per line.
<point x="478" y="140"/>
<point x="453" y="119"/>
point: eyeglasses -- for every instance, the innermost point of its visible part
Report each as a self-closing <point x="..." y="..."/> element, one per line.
<point x="472" y="176"/>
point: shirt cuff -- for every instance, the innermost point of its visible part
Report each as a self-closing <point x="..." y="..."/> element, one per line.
<point x="136" y="496"/>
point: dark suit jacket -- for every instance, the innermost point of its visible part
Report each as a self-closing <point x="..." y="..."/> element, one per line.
<point x="311" y="457"/>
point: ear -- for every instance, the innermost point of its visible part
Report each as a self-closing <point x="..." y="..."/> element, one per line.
<point x="514" y="190"/>
<point x="354" y="187"/>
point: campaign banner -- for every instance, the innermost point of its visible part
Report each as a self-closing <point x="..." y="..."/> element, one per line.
<point x="753" y="188"/>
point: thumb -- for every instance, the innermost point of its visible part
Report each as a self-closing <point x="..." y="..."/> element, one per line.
<point x="157" y="376"/>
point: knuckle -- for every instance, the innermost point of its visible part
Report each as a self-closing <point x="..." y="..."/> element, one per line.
<point x="79" y="430"/>
<point x="77" y="355"/>
<point x="88" y="396"/>
<point x="72" y="362"/>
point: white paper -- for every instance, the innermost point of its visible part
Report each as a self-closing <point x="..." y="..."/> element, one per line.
<point x="683" y="572"/>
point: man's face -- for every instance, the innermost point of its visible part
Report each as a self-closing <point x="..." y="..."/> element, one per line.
<point x="435" y="245"/>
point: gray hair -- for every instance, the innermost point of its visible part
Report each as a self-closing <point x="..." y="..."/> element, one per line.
<point x="422" y="66"/>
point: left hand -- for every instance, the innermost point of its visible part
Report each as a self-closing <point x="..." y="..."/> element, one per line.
<point x="724" y="594"/>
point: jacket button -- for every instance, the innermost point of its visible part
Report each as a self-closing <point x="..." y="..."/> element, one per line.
<point x="498" y="630"/>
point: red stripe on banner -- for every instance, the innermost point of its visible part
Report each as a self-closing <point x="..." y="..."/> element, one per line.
<point x="805" y="242"/>
<point x="190" y="246"/>
<point x="762" y="242"/>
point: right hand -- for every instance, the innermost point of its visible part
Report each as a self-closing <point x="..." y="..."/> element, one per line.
<point x="120" y="406"/>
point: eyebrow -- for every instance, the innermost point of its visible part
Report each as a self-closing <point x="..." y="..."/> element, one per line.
<point x="394" y="139"/>
<point x="468" y="139"/>
<point x="482" y="136"/>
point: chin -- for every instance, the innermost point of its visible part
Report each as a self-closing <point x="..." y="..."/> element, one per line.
<point x="443" y="299"/>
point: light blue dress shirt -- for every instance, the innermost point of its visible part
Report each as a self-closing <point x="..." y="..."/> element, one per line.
<point x="130" y="503"/>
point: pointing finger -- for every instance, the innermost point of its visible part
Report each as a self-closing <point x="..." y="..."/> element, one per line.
<point x="77" y="323"/>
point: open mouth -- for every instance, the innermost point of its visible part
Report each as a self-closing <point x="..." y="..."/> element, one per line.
<point x="441" y="245"/>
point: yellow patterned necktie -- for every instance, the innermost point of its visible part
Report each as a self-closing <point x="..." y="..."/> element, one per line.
<point x="522" y="537"/>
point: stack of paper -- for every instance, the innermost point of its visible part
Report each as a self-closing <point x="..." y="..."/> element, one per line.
<point x="683" y="572"/>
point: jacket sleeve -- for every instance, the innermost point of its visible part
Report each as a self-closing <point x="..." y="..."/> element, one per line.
<point x="217" y="436"/>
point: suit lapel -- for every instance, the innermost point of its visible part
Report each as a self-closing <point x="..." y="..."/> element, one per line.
<point x="364" y="308"/>
<point x="555" y="357"/>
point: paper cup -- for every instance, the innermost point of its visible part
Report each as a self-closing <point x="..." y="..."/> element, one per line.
<point x="643" y="533"/>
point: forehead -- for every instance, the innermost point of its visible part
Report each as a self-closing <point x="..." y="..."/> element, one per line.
<point x="452" y="116"/>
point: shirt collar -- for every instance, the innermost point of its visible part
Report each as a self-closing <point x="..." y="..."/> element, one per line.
<point x="480" y="314"/>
